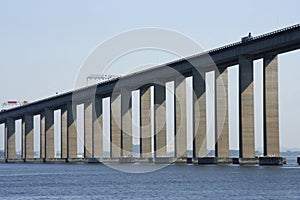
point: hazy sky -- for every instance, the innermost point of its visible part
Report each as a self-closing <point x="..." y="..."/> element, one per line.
<point x="43" y="43"/>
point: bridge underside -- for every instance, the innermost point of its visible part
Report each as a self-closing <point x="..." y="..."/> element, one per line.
<point x="121" y="130"/>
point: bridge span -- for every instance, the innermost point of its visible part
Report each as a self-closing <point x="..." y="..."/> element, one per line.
<point x="119" y="90"/>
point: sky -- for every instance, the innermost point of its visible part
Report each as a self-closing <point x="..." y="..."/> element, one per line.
<point x="44" y="43"/>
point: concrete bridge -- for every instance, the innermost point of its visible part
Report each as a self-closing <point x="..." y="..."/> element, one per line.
<point x="119" y="91"/>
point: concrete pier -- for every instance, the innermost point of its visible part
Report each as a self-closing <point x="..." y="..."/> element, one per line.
<point x="42" y="136"/>
<point x="221" y="114"/>
<point x="64" y="132"/>
<point x="72" y="131"/>
<point x="115" y="149"/>
<point x="246" y="108"/>
<point x="145" y="117"/>
<point x="271" y="118"/>
<point x="180" y="118"/>
<point x="23" y="140"/>
<point x="160" y="132"/>
<point x="11" y="138"/>
<point x="126" y="112"/>
<point x="88" y="129"/>
<point x="98" y="129"/>
<point x="49" y="131"/>
<point x="199" y="115"/>
<point x="29" y="136"/>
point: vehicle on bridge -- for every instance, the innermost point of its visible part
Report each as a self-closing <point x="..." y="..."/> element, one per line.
<point x="12" y="104"/>
<point x="247" y="38"/>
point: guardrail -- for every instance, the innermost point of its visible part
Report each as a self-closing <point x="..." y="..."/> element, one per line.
<point x="254" y="38"/>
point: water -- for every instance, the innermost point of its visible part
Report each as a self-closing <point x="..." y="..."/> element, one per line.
<point x="94" y="181"/>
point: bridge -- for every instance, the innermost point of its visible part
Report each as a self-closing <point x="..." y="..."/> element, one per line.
<point x="119" y="91"/>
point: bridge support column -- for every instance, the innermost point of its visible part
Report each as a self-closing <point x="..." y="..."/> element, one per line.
<point x="221" y="114"/>
<point x="23" y="142"/>
<point x="42" y="137"/>
<point x="246" y="109"/>
<point x="29" y="136"/>
<point x="126" y="123"/>
<point x="64" y="132"/>
<point x="71" y="131"/>
<point x="271" y="119"/>
<point x="160" y="134"/>
<point x="49" y="132"/>
<point x="10" y="138"/>
<point x="180" y="118"/>
<point x="116" y="142"/>
<point x="88" y="129"/>
<point x="145" y="117"/>
<point x="98" y="129"/>
<point x="199" y="115"/>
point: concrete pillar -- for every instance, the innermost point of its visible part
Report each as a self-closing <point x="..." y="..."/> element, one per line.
<point x="64" y="132"/>
<point x="126" y="106"/>
<point x="160" y="132"/>
<point x="221" y="114"/>
<point x="29" y="136"/>
<point x="11" y="138"/>
<point x="49" y="131"/>
<point x="246" y="108"/>
<point x="271" y="118"/>
<point x="199" y="115"/>
<point x="23" y="142"/>
<point x="88" y="129"/>
<point x="180" y="118"/>
<point x="98" y="129"/>
<point x="5" y="143"/>
<point x="115" y="132"/>
<point x="42" y="136"/>
<point x="72" y="131"/>
<point x="145" y="118"/>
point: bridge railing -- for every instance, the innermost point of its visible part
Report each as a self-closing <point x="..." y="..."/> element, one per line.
<point x="254" y="38"/>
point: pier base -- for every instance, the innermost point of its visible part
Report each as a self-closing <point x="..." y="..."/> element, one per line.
<point x="35" y="160"/>
<point x="75" y="160"/>
<point x="56" y="160"/>
<point x="180" y="161"/>
<point x="13" y="160"/>
<point x="298" y="160"/>
<point x="248" y="161"/>
<point x="94" y="160"/>
<point x="135" y="160"/>
<point x="214" y="160"/>
<point x="235" y="161"/>
<point x="127" y="160"/>
<point x="245" y="161"/>
<point x="207" y="161"/>
<point x="189" y="160"/>
<point x="164" y="160"/>
<point x="224" y="161"/>
<point x="271" y="160"/>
